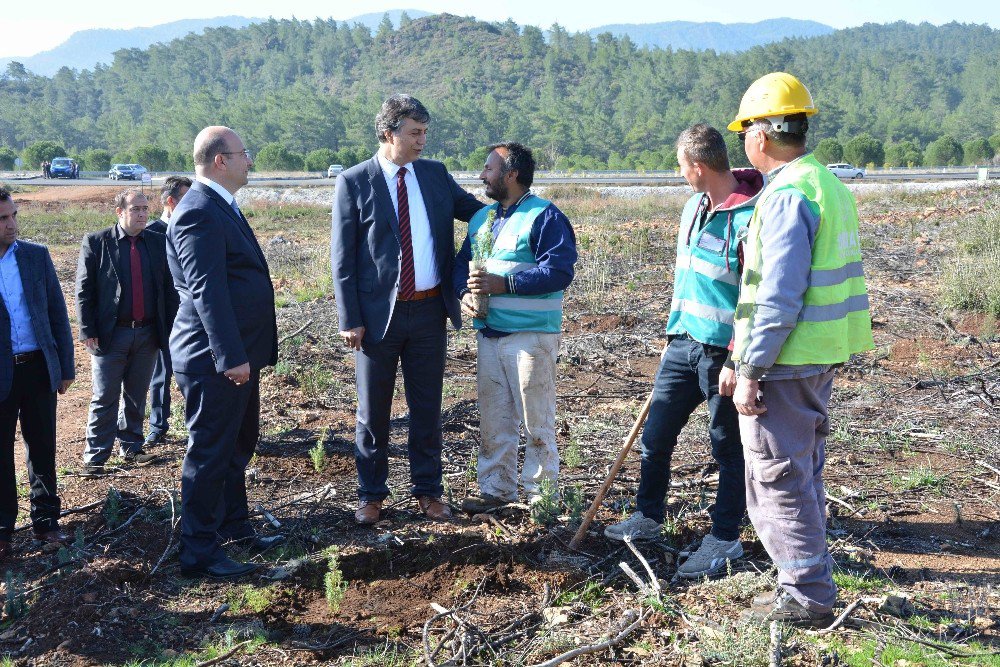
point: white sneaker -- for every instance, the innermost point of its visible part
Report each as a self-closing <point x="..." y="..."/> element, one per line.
<point x="711" y="556"/>
<point x="637" y="526"/>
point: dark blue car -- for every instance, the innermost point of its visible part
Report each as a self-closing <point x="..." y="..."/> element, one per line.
<point x="62" y="167"/>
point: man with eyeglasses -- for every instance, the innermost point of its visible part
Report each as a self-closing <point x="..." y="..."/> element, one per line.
<point x="123" y="297"/>
<point x="225" y="332"/>
<point x="802" y="312"/>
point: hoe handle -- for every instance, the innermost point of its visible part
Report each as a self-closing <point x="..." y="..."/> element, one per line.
<point x="589" y="516"/>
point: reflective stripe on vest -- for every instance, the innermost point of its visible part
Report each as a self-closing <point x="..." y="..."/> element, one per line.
<point x="512" y="254"/>
<point x="835" y="321"/>
<point x="706" y="278"/>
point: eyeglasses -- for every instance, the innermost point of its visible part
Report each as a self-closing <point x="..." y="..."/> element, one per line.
<point x="245" y="152"/>
<point x="750" y="130"/>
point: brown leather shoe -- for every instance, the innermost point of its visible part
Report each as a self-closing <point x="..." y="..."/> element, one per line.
<point x="368" y="512"/>
<point x="54" y="536"/>
<point x="433" y="508"/>
<point x="5" y="550"/>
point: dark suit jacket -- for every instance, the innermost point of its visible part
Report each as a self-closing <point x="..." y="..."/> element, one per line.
<point x="99" y="288"/>
<point x="364" y="245"/>
<point x="226" y="316"/>
<point x="49" y="319"/>
<point x="158" y="226"/>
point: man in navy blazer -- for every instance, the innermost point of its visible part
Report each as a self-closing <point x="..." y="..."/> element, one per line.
<point x="36" y="362"/>
<point x="224" y="333"/>
<point x="392" y="250"/>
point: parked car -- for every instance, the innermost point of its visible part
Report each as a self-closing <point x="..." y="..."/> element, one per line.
<point x="844" y="170"/>
<point x="62" y="167"/>
<point x="126" y="172"/>
<point x="334" y="170"/>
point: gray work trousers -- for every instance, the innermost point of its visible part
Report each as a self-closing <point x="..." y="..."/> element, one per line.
<point x="516" y="380"/>
<point x="785" y="449"/>
<point x="126" y="367"/>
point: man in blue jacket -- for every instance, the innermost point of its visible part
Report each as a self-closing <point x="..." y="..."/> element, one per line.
<point x="693" y="368"/>
<point x="36" y="362"/>
<point x="529" y="266"/>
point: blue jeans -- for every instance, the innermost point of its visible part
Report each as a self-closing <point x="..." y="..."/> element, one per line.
<point x="159" y="394"/>
<point x="689" y="375"/>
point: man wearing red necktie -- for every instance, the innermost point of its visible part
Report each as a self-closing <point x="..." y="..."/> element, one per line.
<point x="123" y="292"/>
<point x="392" y="250"/>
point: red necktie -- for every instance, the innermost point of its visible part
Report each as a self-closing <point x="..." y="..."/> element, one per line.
<point x="138" y="305"/>
<point x="407" y="277"/>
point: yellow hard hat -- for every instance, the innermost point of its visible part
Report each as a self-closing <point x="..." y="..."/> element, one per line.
<point x="773" y="95"/>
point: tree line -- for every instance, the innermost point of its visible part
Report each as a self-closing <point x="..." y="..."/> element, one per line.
<point x="303" y="94"/>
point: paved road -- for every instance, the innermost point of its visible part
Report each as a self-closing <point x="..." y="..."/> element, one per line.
<point x="541" y="179"/>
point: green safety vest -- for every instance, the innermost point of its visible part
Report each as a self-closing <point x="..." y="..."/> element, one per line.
<point x="512" y="254"/>
<point x="835" y="321"/>
<point x="706" y="274"/>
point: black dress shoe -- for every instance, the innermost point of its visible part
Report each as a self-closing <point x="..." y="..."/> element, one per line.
<point x="261" y="543"/>
<point x="224" y="569"/>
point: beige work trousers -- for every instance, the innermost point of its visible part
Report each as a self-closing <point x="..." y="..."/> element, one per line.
<point x="516" y="378"/>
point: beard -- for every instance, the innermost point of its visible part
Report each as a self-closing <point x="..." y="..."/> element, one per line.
<point x="496" y="191"/>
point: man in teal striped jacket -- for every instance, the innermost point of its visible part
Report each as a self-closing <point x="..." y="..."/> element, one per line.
<point x="694" y="367"/>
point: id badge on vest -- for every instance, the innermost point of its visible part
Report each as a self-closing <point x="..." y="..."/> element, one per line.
<point x="711" y="243"/>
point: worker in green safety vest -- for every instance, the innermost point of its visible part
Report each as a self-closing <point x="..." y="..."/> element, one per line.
<point x="802" y="312"/>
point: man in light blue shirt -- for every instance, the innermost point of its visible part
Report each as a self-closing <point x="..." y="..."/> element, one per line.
<point x="36" y="361"/>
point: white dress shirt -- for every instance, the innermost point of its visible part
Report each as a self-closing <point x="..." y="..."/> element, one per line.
<point x="222" y="192"/>
<point x="424" y="265"/>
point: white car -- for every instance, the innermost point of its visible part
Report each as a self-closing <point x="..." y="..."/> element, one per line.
<point x="844" y="170"/>
<point x="334" y="170"/>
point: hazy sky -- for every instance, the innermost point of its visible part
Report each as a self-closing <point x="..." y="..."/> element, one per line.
<point x="29" y="27"/>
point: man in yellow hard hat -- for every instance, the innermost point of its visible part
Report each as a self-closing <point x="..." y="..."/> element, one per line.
<point x="802" y="312"/>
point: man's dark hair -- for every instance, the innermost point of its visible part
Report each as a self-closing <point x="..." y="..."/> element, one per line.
<point x="4" y="194"/>
<point x="395" y="110"/>
<point x="519" y="159"/>
<point x="121" y="199"/>
<point x="172" y="187"/>
<point x="210" y="149"/>
<point x="786" y="139"/>
<point x="704" y="144"/>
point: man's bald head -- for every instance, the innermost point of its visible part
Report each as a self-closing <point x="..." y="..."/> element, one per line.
<point x="219" y="155"/>
<point x="210" y="142"/>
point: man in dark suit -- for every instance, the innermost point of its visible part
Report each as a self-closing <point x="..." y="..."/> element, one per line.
<point x="123" y="301"/>
<point x="225" y="332"/>
<point x="393" y="249"/>
<point x="36" y="361"/>
<point x="173" y="189"/>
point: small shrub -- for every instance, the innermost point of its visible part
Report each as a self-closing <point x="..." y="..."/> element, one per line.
<point x="113" y="508"/>
<point x="15" y="605"/>
<point x="318" y="453"/>
<point x="334" y="584"/>
<point x="545" y="509"/>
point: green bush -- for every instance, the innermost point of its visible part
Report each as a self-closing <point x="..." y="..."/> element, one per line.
<point x="276" y="157"/>
<point x="95" y="159"/>
<point x="943" y="151"/>
<point x="39" y="151"/>
<point x="7" y="157"/>
<point x="320" y="159"/>
<point x="903" y="154"/>
<point x="977" y="151"/>
<point x="864" y="149"/>
<point x="152" y="157"/>
<point x="829" y="150"/>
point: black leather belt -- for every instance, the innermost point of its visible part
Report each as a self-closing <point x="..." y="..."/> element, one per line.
<point x="135" y="324"/>
<point x="25" y="357"/>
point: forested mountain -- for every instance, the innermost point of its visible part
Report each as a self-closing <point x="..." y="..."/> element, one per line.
<point x="580" y="101"/>
<point x="722" y="37"/>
